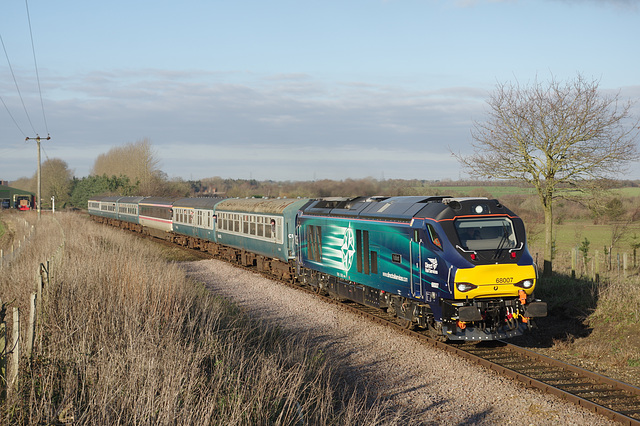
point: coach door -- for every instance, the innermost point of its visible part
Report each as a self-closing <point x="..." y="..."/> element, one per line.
<point x="415" y="254"/>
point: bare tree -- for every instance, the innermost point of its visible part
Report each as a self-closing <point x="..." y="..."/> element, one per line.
<point x="554" y="136"/>
<point x="138" y="161"/>
<point x="56" y="182"/>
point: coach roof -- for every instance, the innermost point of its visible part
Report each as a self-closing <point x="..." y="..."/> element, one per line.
<point x="261" y="205"/>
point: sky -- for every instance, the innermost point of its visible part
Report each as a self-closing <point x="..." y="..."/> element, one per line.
<point x="290" y="90"/>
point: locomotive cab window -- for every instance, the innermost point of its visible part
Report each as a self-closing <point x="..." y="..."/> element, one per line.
<point x="486" y="234"/>
<point x="433" y="236"/>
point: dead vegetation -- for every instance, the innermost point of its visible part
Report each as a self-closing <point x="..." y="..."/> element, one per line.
<point x="125" y="338"/>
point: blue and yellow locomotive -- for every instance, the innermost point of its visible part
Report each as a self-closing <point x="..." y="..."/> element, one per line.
<point x="458" y="267"/>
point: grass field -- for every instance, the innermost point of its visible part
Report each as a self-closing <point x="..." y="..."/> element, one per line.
<point x="572" y="234"/>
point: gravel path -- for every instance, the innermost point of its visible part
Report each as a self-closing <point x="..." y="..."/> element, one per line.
<point x="444" y="389"/>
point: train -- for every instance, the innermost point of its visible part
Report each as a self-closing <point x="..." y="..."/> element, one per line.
<point x="24" y="202"/>
<point x="457" y="267"/>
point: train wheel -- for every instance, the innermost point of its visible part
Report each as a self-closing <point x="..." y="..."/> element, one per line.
<point x="435" y="331"/>
<point x="405" y="323"/>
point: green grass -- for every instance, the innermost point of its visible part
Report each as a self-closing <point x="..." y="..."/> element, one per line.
<point x="572" y="233"/>
<point x="628" y="192"/>
<point x="2" y="231"/>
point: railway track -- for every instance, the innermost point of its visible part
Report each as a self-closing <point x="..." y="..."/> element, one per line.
<point x="610" y="398"/>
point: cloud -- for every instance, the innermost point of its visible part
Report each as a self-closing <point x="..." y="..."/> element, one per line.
<point x="620" y="4"/>
<point x="274" y="126"/>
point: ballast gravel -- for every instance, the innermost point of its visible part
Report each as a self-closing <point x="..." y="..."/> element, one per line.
<point x="440" y="387"/>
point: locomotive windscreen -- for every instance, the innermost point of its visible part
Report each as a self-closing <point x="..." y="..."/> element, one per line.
<point x="486" y="234"/>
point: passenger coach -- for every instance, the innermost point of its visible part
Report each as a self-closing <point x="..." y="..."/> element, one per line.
<point x="195" y="218"/>
<point x="155" y="215"/>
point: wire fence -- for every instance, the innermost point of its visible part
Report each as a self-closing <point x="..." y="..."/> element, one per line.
<point x="12" y="253"/>
<point x="15" y="343"/>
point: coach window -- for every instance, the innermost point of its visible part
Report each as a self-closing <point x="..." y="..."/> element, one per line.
<point x="260" y="226"/>
<point x="279" y="230"/>
<point x="267" y="228"/>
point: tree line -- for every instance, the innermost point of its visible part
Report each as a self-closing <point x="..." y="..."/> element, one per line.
<point x="131" y="169"/>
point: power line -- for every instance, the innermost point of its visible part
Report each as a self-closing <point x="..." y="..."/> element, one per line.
<point x="17" y="88"/>
<point x="11" y="115"/>
<point x="33" y="49"/>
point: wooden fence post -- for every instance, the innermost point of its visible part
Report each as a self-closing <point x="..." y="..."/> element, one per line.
<point x="3" y="349"/>
<point x="597" y="272"/>
<point x="15" y="353"/>
<point x="38" y="294"/>
<point x="32" y="324"/>
<point x="574" y="260"/>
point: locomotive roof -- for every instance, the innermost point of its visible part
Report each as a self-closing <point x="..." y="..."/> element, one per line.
<point x="260" y="205"/>
<point x="469" y="206"/>
<point x="402" y="208"/>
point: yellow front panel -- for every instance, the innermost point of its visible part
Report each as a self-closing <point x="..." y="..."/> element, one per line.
<point x="494" y="280"/>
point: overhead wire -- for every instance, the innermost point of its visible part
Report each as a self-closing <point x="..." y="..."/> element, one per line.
<point x="12" y="118"/>
<point x="15" y="81"/>
<point x="35" y="63"/>
<point x="17" y="88"/>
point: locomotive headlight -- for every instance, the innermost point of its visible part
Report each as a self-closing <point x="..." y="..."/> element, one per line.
<point x="480" y="209"/>
<point x="525" y="284"/>
<point x="465" y="286"/>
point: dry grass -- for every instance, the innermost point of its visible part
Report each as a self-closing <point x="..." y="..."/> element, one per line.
<point x="17" y="276"/>
<point x="125" y="339"/>
<point x="609" y="309"/>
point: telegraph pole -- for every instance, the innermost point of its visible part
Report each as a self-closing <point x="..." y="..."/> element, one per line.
<point x="37" y="139"/>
